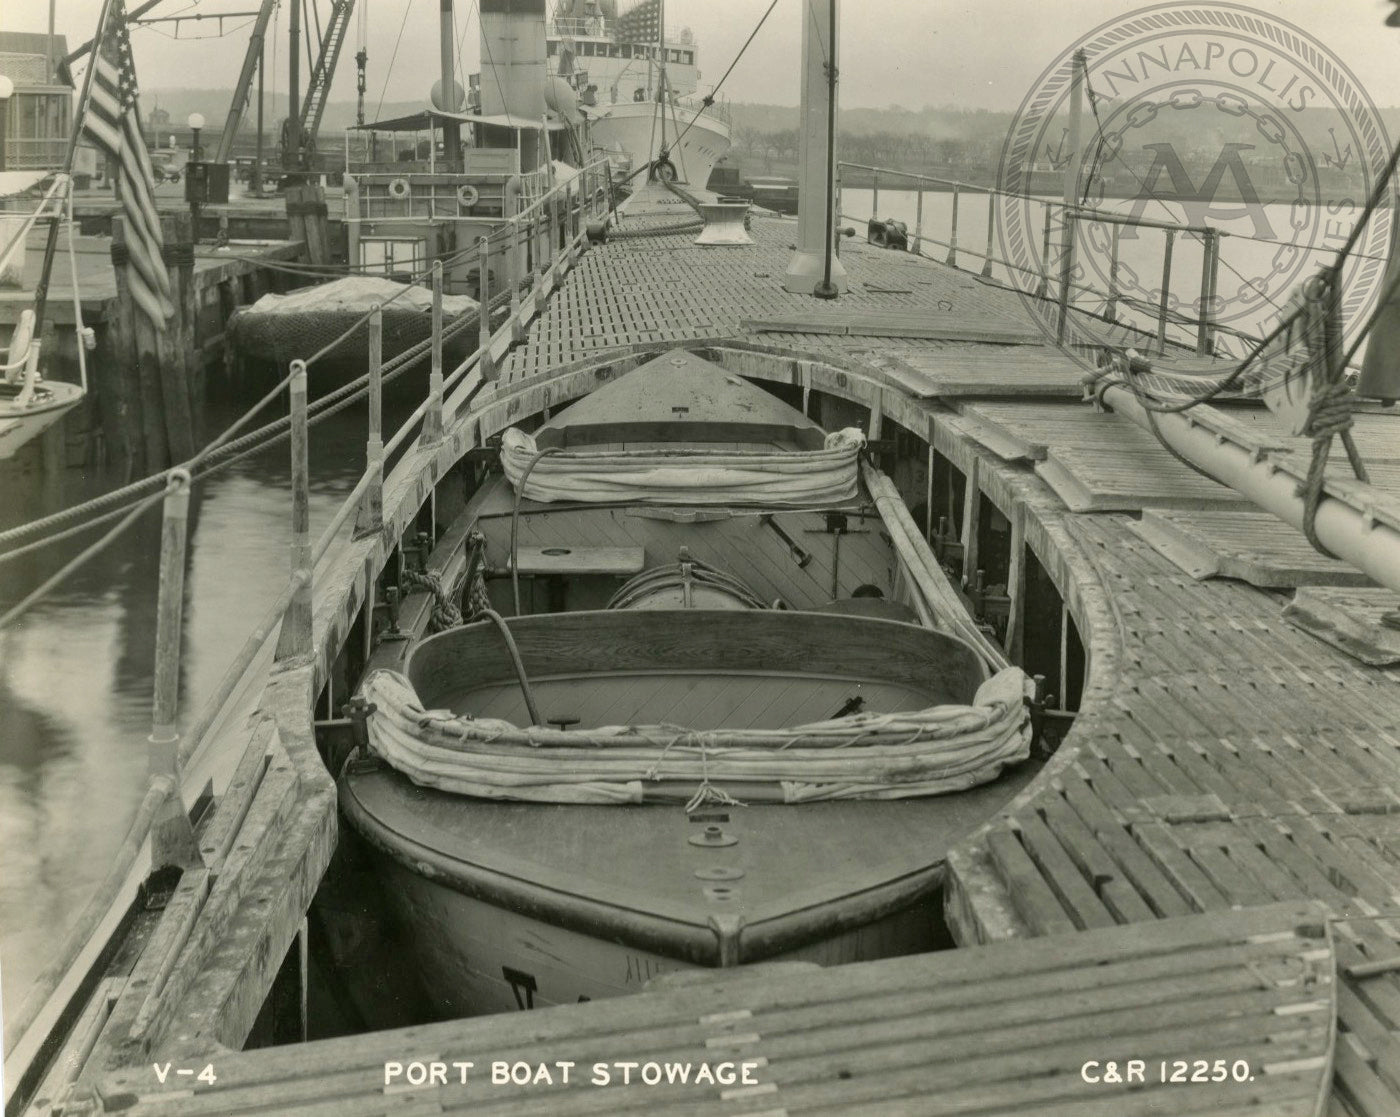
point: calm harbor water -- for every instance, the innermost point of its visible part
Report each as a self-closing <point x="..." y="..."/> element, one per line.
<point x="76" y="672"/>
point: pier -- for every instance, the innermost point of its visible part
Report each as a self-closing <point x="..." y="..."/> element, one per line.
<point x="147" y="403"/>
<point x="1207" y="866"/>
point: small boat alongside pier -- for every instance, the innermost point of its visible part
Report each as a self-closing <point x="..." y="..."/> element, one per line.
<point x="771" y="562"/>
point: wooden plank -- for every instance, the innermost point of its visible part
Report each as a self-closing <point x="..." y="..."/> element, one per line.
<point x="1350" y="621"/>
<point x="580" y="560"/>
<point x="1059" y="871"/>
<point x="1184" y="874"/>
<point x="1105" y="481"/>
<point x="1099" y="868"/>
<point x="894" y="325"/>
<point x="1146" y="877"/>
<point x="1358" y="1083"/>
<point x="1253" y="547"/>
<point x="1035" y="900"/>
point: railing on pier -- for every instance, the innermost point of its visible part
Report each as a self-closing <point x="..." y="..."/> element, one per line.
<point x="1070" y="235"/>
<point x="546" y="235"/>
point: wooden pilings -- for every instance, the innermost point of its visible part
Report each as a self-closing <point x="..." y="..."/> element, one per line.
<point x="157" y="374"/>
<point x="307" y="219"/>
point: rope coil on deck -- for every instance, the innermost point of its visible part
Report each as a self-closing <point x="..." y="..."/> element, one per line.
<point x="913" y="753"/>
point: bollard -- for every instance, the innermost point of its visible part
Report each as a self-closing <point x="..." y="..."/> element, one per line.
<point x="432" y="418"/>
<point x="486" y="365"/>
<point x="369" y="520"/>
<point x="295" y="637"/>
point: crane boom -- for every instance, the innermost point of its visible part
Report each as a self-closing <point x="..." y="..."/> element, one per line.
<point x="318" y="85"/>
<point x="245" y="82"/>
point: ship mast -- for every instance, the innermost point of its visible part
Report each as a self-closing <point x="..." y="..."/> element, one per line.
<point x="660" y="105"/>
<point x="451" y="129"/>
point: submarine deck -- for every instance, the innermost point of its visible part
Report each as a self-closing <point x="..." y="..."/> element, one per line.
<point x="1223" y="761"/>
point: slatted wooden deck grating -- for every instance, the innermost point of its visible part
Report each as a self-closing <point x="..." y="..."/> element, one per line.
<point x="1227" y="767"/>
<point x="997" y="1029"/>
<point x="1222" y="757"/>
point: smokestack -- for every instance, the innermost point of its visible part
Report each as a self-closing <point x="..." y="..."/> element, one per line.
<point x="513" y="58"/>
<point x="807" y="271"/>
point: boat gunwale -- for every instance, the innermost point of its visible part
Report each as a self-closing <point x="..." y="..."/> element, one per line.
<point x="764" y="934"/>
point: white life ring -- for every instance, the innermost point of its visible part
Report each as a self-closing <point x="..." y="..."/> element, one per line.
<point x="467" y="195"/>
<point x="398" y="188"/>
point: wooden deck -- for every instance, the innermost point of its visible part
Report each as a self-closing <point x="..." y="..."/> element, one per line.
<point x="1226" y="765"/>
<point x="966" y="1032"/>
<point x="1222" y="757"/>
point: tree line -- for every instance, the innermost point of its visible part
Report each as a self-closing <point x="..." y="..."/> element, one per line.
<point x="904" y="150"/>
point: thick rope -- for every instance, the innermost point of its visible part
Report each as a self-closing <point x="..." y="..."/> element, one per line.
<point x="445" y="613"/>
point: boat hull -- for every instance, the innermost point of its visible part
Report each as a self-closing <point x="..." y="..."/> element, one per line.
<point x="636" y="130"/>
<point x="484" y="959"/>
<point x="19" y="426"/>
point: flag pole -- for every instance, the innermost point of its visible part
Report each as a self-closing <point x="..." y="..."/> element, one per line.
<point x="41" y="289"/>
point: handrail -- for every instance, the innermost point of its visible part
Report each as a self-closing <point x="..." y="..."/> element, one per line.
<point x="163" y="787"/>
<point x="979" y="187"/>
<point x="1071" y="217"/>
<point x="1107" y="217"/>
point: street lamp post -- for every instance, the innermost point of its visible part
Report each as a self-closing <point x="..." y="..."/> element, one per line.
<point x="196" y="122"/>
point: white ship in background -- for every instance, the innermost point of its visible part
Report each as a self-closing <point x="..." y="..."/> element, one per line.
<point x="637" y="84"/>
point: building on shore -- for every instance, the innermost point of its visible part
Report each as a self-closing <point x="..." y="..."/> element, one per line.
<point x="39" y="112"/>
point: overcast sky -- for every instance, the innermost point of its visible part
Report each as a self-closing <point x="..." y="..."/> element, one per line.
<point x="907" y="52"/>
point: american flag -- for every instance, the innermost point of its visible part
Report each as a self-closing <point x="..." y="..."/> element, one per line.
<point x="114" y="123"/>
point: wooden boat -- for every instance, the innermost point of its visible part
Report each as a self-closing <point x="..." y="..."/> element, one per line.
<point x="27" y="411"/>
<point x="30" y="403"/>
<point x="744" y="747"/>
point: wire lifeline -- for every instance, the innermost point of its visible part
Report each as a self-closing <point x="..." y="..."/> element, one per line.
<point x="224" y="455"/>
